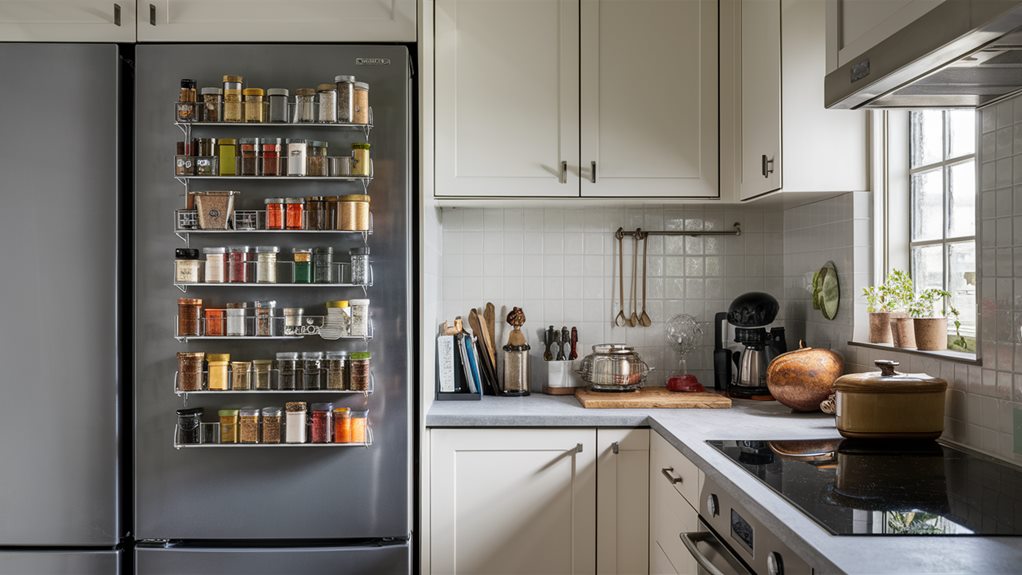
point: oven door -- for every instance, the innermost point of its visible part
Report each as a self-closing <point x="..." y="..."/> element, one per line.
<point x="712" y="555"/>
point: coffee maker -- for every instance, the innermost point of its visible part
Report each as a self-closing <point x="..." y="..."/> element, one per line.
<point x="742" y="373"/>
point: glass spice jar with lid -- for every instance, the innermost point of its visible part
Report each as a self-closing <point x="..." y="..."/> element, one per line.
<point x="184" y="161"/>
<point x="227" y="156"/>
<point x="312" y="369"/>
<point x="317" y="155"/>
<point x="248" y="425"/>
<point x="237" y="319"/>
<point x="295" y="213"/>
<point x="212" y="108"/>
<point x="360" y="113"/>
<point x="216" y="264"/>
<point x="359" y="426"/>
<point x="271" y="425"/>
<point x="295" y="426"/>
<point x="218" y="363"/>
<point x="189" y="370"/>
<point x="278" y="105"/>
<point x="186" y="266"/>
<point x="241" y="374"/>
<point x="336" y="367"/>
<point x="359" y="265"/>
<point x="215" y="325"/>
<point x="265" y="317"/>
<point x="232" y="98"/>
<point x="302" y="258"/>
<point x="360" y="369"/>
<point x="345" y="98"/>
<point x="237" y="264"/>
<point x="297" y="157"/>
<point x="266" y="264"/>
<point x="361" y="163"/>
<point x="353" y="213"/>
<point x="289" y="370"/>
<point x="359" y="317"/>
<point x="270" y="158"/>
<point x="322" y="422"/>
<point x="323" y="265"/>
<point x="261" y="370"/>
<point x="315" y="213"/>
<point x="189" y="426"/>
<point x="249" y="156"/>
<point x="338" y="320"/>
<point x="327" y="103"/>
<point x="255" y="111"/>
<point x="186" y="101"/>
<point x="228" y="425"/>
<point x="189" y="314"/>
<point x="330" y="202"/>
<point x="305" y="106"/>
<point x="274" y="213"/>
<point x="293" y="320"/>
<point x="342" y="425"/>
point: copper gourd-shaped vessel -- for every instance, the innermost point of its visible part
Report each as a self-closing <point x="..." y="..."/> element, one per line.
<point x="802" y="378"/>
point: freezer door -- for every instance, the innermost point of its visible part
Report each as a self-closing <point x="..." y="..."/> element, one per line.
<point x="58" y="310"/>
<point x="60" y="562"/>
<point x="386" y="560"/>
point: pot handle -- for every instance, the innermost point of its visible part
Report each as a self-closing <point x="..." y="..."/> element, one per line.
<point x="887" y="367"/>
<point x="829" y="405"/>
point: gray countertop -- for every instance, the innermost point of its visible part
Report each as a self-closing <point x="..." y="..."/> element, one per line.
<point x="689" y="429"/>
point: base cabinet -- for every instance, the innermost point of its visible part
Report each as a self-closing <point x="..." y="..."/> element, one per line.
<point x="622" y="501"/>
<point x="674" y="484"/>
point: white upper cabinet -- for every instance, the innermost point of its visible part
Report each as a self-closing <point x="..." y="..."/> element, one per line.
<point x="67" y="21"/>
<point x="649" y="98"/>
<point x="761" y="97"/>
<point x="277" y="21"/>
<point x="854" y="26"/>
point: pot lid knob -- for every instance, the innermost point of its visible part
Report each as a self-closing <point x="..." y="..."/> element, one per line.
<point x="887" y="367"/>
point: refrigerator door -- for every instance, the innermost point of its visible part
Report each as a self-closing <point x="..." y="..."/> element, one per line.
<point x="374" y="560"/>
<point x="265" y="492"/>
<point x="60" y="562"/>
<point x="58" y="342"/>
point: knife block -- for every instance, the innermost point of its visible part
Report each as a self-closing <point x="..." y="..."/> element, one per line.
<point x="562" y="377"/>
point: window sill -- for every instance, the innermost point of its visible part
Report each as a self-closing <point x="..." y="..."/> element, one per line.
<point x="955" y="356"/>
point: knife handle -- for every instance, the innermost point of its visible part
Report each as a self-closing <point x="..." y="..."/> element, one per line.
<point x="574" y="344"/>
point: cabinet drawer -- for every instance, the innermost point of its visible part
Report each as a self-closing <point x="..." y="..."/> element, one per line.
<point x="673" y="468"/>
<point x="672" y="515"/>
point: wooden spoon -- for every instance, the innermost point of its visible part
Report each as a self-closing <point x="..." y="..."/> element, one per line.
<point x="490" y="318"/>
<point x="621" y="320"/>
<point x="634" y="319"/>
<point x="645" y="320"/>
<point x="482" y="334"/>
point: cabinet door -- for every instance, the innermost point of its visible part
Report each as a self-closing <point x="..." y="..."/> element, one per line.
<point x="277" y="21"/>
<point x="659" y="564"/>
<point x="670" y="513"/>
<point x="512" y="501"/>
<point x="506" y="92"/>
<point x="649" y="98"/>
<point x="761" y="97"/>
<point x="622" y="501"/>
<point x="67" y="21"/>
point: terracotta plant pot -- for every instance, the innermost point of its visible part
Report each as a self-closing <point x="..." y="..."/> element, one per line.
<point x="931" y="333"/>
<point x="880" y="327"/>
<point x="903" y="333"/>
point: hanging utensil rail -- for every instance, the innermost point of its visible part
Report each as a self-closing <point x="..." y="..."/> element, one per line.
<point x="640" y="233"/>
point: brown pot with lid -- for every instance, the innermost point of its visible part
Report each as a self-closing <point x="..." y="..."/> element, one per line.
<point x="887" y="404"/>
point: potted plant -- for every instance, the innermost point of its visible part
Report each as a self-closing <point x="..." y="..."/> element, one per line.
<point x="878" y="307"/>
<point x="900" y="295"/>
<point x="931" y="331"/>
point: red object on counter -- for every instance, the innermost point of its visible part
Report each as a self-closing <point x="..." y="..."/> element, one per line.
<point x="687" y="382"/>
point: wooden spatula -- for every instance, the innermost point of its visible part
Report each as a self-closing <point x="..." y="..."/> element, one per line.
<point x="483" y="335"/>
<point x="490" y="318"/>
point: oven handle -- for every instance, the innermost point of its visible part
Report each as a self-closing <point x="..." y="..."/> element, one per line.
<point x="689" y="540"/>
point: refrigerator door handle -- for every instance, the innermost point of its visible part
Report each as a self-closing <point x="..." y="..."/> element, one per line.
<point x="117" y="14"/>
<point x="152" y="14"/>
<point x="564" y="172"/>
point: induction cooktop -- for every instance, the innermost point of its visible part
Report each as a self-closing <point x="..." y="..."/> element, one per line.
<point x="855" y="487"/>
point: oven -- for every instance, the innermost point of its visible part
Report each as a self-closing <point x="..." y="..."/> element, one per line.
<point x="713" y="557"/>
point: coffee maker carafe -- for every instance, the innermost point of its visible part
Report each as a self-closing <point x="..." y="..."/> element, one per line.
<point x="750" y="313"/>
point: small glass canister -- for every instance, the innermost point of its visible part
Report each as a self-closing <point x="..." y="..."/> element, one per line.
<point x="359" y="426"/>
<point x="359" y="318"/>
<point x="312" y="369"/>
<point x="241" y="375"/>
<point x="237" y="319"/>
<point x="293" y="320"/>
<point x="186" y="266"/>
<point x="265" y="312"/>
<point x="295" y="430"/>
<point x="218" y="362"/>
<point x="323" y="265"/>
<point x="212" y="109"/>
<point x="216" y="264"/>
<point x="297" y="157"/>
<point x="317" y="159"/>
<point x="327" y="103"/>
<point x="184" y="161"/>
<point x="361" y="164"/>
<point x="232" y="98"/>
<point x="516" y="370"/>
<point x="342" y="425"/>
<point x="248" y="426"/>
<point x="189" y="370"/>
<point x="289" y="370"/>
<point x="237" y="264"/>
<point x="228" y="425"/>
<point x="305" y="106"/>
<point x="359" y="265"/>
<point x="336" y="366"/>
<point x="278" y="105"/>
<point x="189" y="314"/>
<point x="322" y="422"/>
<point x="316" y="213"/>
<point x="271" y="425"/>
<point x="295" y="216"/>
<point x="189" y="426"/>
<point x="266" y="264"/>
<point x="360" y="114"/>
<point x="302" y="265"/>
<point x="215" y="324"/>
<point x="249" y="156"/>
<point x="353" y="213"/>
<point x="360" y="369"/>
<point x="345" y="98"/>
<point x="274" y="213"/>
<point x="227" y="156"/>
<point x="339" y="166"/>
<point x="255" y="109"/>
<point x="261" y="369"/>
<point x="186" y="101"/>
<point x="270" y="158"/>
<point x="338" y="319"/>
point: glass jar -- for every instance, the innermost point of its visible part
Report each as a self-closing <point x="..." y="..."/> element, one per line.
<point x="218" y="362"/>
<point x="186" y="266"/>
<point x="345" y="98"/>
<point x="216" y="264"/>
<point x="294" y="218"/>
<point x="237" y="265"/>
<point x="297" y="157"/>
<point x="317" y="158"/>
<point x="360" y="111"/>
<point x="295" y="426"/>
<point x="189" y="370"/>
<point x="338" y="320"/>
<point x="278" y="105"/>
<point x="336" y="367"/>
<point x="315" y="213"/>
<point x="248" y="426"/>
<point x="227" y="156"/>
<point x="359" y="265"/>
<point x="274" y="213"/>
<point x="288" y="370"/>
<point x="184" y="161"/>
<point x="342" y="425"/>
<point x="330" y="209"/>
<point x="302" y="265"/>
<point x="322" y="422"/>
<point x="312" y="369"/>
<point x="353" y="213"/>
<point x="359" y="317"/>
<point x="241" y="375"/>
<point x="228" y="425"/>
<point x="327" y="103"/>
<point x="359" y="425"/>
<point x="271" y="425"/>
<point x="186" y="101"/>
<point x="305" y="106"/>
<point x="189" y="426"/>
<point x="232" y="98"/>
<point x="339" y="166"/>
<point x="261" y="369"/>
<point x="323" y="265"/>
<point x="205" y="146"/>
<point x="360" y="369"/>
<point x="212" y="105"/>
<point x="266" y="264"/>
<point x="249" y="156"/>
<point x="361" y="164"/>
<point x="214" y="322"/>
<point x="237" y="319"/>
<point x="255" y="111"/>
<point x="189" y="313"/>
<point x="270" y="158"/>
<point x="293" y="320"/>
<point x="265" y="312"/>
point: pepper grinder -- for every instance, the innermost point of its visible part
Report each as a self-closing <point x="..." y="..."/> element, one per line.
<point x="516" y="357"/>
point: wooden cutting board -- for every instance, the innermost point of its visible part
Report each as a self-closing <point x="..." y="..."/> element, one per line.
<point x="651" y="397"/>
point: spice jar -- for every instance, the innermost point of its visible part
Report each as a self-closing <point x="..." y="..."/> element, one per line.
<point x="297" y="157"/>
<point x="205" y="157"/>
<point x="295" y="215"/>
<point x="261" y="373"/>
<point x="335" y="365"/>
<point x="353" y="213"/>
<point x="186" y="101"/>
<point x="274" y="213"/>
<point x="338" y="320"/>
<point x="205" y="146"/>
<point x="249" y="156"/>
<point x="278" y="105"/>
<point x="330" y="205"/>
<point x="359" y="317"/>
<point x="189" y="312"/>
<point x="359" y="423"/>
<point x="317" y="158"/>
<point x="271" y="425"/>
<point x="212" y="105"/>
<point x="265" y="321"/>
<point x="302" y="265"/>
<point x="322" y="422"/>
<point x="248" y="425"/>
<point x="237" y="319"/>
<point x="232" y="98"/>
<point x="266" y="264"/>
<point x="189" y="370"/>
<point x="270" y="158"/>
<point x="227" y="156"/>
<point x="237" y="264"/>
<point x="214" y="322"/>
<point x="184" y="162"/>
<point x="327" y="103"/>
<point x="218" y="362"/>
<point x="323" y="265"/>
<point x="241" y="372"/>
<point x="312" y="369"/>
<point x="345" y="98"/>
<point x="292" y="320"/>
<point x="295" y="425"/>
<point x="315" y="213"/>
<point x="228" y="425"/>
<point x="342" y="425"/>
<point x="360" y="113"/>
<point x="339" y="166"/>
<point x="359" y="265"/>
<point x="254" y="109"/>
<point x="359" y="368"/>
<point x="216" y="264"/>
<point x="288" y="370"/>
<point x="189" y="426"/>
<point x="361" y="164"/>
<point x="305" y="105"/>
<point x="186" y="266"/>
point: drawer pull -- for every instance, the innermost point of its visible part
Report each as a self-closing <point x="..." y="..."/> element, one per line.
<point x="615" y="448"/>
<point x="669" y="474"/>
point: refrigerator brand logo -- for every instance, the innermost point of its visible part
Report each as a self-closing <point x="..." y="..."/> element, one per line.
<point x="372" y="61"/>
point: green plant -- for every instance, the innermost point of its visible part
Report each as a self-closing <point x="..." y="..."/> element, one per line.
<point x="900" y="290"/>
<point x="924" y="304"/>
<point x="876" y="298"/>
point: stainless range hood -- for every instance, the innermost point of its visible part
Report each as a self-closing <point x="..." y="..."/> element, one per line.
<point x="961" y="54"/>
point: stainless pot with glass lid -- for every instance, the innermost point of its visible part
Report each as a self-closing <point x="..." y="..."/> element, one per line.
<point x="614" y="367"/>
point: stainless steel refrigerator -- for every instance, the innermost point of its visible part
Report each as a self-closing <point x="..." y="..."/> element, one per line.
<point x="263" y="509"/>
<point x="60" y="434"/>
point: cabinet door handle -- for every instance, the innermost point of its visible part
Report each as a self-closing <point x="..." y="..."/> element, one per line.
<point x="668" y="472"/>
<point x="117" y="14"/>
<point x="614" y="447"/>
<point x="768" y="166"/>
<point x="564" y="172"/>
<point x="152" y="14"/>
<point x="592" y="172"/>
<point x="578" y="448"/>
